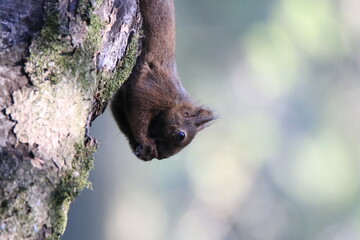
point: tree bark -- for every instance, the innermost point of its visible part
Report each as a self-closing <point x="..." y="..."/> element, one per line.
<point x="60" y="63"/>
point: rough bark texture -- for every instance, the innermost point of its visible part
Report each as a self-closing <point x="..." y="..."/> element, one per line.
<point x="60" y="63"/>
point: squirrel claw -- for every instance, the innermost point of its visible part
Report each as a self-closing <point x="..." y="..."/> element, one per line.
<point x="146" y="152"/>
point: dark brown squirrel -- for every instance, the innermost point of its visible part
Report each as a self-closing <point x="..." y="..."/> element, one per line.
<point x="152" y="108"/>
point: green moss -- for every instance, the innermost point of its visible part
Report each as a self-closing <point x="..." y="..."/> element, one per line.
<point x="84" y="9"/>
<point x="48" y="49"/>
<point x="52" y="55"/>
<point x="82" y="63"/>
<point x="110" y="82"/>
<point x="71" y="185"/>
<point x="51" y="30"/>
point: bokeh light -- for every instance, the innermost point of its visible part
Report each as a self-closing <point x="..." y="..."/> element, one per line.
<point x="281" y="161"/>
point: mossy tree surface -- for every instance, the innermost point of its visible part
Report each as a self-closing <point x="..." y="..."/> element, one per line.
<point x="60" y="63"/>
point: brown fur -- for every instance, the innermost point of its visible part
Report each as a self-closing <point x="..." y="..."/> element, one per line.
<point x="152" y="108"/>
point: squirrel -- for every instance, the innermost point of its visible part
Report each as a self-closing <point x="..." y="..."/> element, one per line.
<point x="152" y="108"/>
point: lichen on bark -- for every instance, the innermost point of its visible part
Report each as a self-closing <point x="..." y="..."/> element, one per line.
<point x="72" y="184"/>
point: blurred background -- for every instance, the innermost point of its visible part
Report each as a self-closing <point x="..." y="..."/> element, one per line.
<point x="282" y="161"/>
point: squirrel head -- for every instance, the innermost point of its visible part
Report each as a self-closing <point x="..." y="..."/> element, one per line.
<point x="174" y="129"/>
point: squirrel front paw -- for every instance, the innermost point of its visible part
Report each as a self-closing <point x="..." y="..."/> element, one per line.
<point x="146" y="151"/>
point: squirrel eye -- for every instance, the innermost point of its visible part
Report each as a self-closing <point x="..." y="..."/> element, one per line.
<point x="180" y="136"/>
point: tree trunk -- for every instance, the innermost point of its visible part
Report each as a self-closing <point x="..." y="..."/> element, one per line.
<point x="60" y="63"/>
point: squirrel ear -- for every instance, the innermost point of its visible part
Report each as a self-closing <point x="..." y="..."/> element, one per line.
<point x="202" y="117"/>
